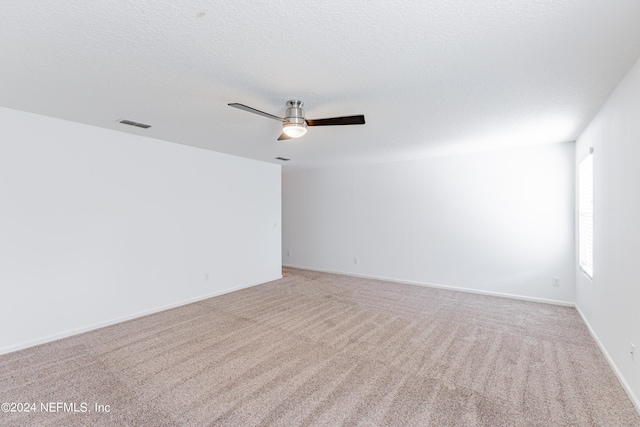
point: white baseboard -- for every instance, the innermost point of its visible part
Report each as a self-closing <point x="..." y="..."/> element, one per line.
<point x="625" y="384"/>
<point x="76" y="331"/>
<point x="433" y="285"/>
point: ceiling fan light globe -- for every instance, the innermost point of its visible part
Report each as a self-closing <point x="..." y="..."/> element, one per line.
<point x="294" y="130"/>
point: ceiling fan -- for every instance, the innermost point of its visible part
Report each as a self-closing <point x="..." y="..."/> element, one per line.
<point x="294" y="125"/>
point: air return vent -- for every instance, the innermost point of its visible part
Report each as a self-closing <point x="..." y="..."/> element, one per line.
<point x="132" y="123"/>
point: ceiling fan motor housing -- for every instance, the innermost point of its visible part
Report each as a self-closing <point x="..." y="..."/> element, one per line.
<point x="295" y="113"/>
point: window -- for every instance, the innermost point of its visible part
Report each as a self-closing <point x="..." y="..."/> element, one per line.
<point x="585" y="215"/>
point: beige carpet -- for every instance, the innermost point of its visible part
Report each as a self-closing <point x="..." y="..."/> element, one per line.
<point x="321" y="349"/>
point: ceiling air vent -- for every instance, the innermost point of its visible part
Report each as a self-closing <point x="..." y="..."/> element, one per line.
<point x="132" y="123"/>
<point x="283" y="159"/>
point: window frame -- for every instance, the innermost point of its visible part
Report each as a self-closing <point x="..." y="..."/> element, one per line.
<point x="585" y="215"/>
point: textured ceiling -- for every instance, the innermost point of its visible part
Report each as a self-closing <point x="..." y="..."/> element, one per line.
<point x="435" y="77"/>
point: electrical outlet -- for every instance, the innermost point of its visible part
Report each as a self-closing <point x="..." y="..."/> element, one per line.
<point x="555" y="281"/>
<point x="633" y="349"/>
<point x="356" y="260"/>
<point x="206" y="276"/>
<point x="288" y="253"/>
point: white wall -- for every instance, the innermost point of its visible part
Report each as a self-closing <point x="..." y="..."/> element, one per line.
<point x="611" y="302"/>
<point x="98" y="226"/>
<point x="499" y="222"/>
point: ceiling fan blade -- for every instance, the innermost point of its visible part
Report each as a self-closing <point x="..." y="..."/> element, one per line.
<point x="337" y="121"/>
<point x="284" y="136"/>
<point x="254" y="111"/>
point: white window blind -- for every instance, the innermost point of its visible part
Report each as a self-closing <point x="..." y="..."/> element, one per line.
<point x="585" y="215"/>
